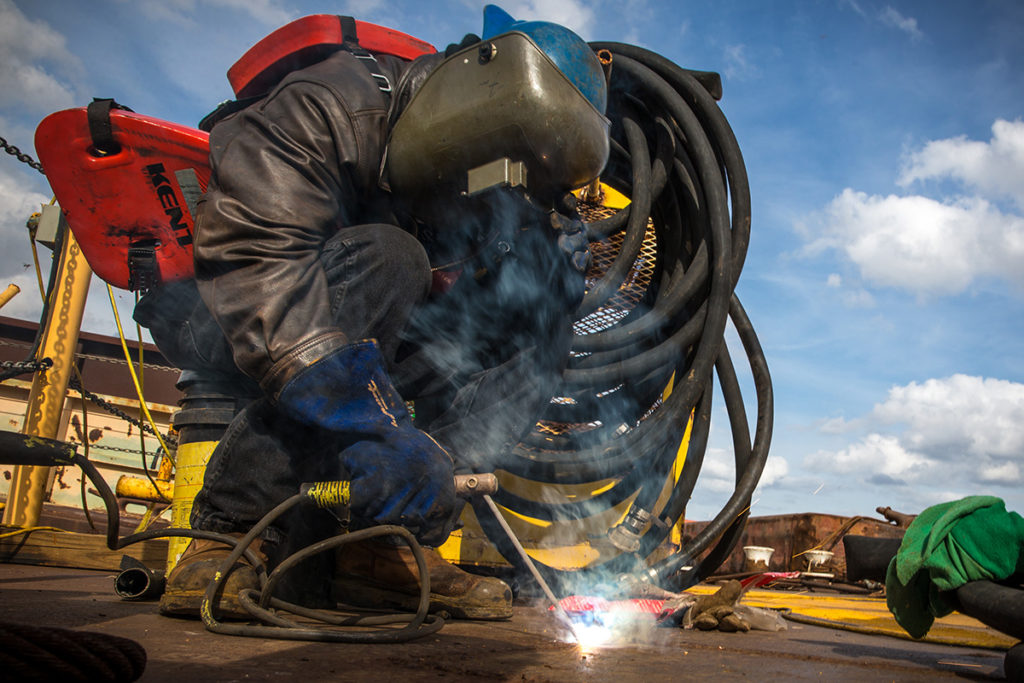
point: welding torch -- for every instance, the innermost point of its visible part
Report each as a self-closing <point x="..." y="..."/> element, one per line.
<point x="335" y="494"/>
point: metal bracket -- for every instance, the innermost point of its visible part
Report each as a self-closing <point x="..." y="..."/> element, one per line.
<point x="501" y="172"/>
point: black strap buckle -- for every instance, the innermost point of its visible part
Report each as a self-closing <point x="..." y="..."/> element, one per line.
<point x="372" y="65"/>
<point x="382" y="82"/>
<point x="142" y="269"/>
<point x="100" y="129"/>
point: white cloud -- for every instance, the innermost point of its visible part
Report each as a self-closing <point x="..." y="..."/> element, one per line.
<point x="36" y="68"/>
<point x="737" y="65"/>
<point x="1006" y="472"/>
<point x="891" y="17"/>
<point x="836" y="425"/>
<point x="934" y="245"/>
<point x="959" y="416"/>
<point x="874" y="454"/>
<point x="993" y="169"/>
<point x="921" y="244"/>
<point x="17" y="203"/>
<point x="269" y="12"/>
<point x="960" y="430"/>
<point x="717" y="473"/>
<point x="853" y="297"/>
<point x="852" y="4"/>
<point x="858" y="298"/>
<point x="775" y="470"/>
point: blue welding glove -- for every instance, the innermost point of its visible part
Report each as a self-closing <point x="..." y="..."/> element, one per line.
<point x="398" y="474"/>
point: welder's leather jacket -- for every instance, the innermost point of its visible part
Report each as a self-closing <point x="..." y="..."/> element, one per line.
<point x="288" y="172"/>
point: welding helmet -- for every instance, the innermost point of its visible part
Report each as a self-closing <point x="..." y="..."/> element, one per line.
<point x="568" y="51"/>
<point x="523" y="107"/>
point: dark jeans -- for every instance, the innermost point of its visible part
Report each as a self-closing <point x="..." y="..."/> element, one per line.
<point x="477" y="385"/>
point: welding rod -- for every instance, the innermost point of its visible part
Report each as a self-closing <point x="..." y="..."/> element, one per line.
<point x="529" y="563"/>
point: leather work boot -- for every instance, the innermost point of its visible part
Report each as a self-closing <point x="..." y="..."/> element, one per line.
<point x="187" y="582"/>
<point x="380" y="575"/>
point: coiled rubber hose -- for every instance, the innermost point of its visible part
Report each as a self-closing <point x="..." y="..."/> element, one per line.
<point x="650" y="334"/>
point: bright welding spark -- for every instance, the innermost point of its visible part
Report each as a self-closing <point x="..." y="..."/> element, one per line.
<point x="592" y="636"/>
<point x="596" y="630"/>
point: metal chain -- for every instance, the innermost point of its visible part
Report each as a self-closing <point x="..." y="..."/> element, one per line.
<point x="117" y="412"/>
<point x="133" y="451"/>
<point x="24" y="366"/>
<point x="21" y="156"/>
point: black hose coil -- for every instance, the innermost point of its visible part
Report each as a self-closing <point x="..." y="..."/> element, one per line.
<point x="675" y="157"/>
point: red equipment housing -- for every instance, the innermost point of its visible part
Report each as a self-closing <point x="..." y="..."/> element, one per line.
<point x="137" y="198"/>
<point x="308" y="40"/>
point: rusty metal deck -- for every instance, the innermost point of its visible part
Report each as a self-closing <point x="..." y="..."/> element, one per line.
<point x="529" y="647"/>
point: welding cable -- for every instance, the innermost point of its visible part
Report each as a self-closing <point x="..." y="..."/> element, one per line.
<point x="38" y="451"/>
<point x="739" y="502"/>
<point x="416" y="625"/>
<point x="21" y="449"/>
<point x="707" y="332"/>
<point x="676" y="158"/>
<point x="636" y="227"/>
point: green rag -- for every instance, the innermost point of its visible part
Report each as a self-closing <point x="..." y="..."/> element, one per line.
<point x="946" y="546"/>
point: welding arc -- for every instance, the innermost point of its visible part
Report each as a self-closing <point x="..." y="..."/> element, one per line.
<point x="675" y="157"/>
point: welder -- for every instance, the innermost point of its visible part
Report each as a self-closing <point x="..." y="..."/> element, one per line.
<point x="376" y="232"/>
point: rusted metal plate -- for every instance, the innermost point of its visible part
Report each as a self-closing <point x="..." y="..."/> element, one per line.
<point x="792" y="535"/>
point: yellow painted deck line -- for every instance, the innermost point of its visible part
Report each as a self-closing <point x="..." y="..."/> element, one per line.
<point x="870" y="615"/>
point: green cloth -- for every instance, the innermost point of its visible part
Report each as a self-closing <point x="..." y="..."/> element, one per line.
<point x="946" y="546"/>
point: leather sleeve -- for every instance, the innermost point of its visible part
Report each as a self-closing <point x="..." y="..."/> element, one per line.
<point x="287" y="173"/>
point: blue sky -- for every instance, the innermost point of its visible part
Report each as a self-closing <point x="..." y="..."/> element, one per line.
<point x="884" y="141"/>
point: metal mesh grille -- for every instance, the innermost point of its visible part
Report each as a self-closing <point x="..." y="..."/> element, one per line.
<point x="633" y="289"/>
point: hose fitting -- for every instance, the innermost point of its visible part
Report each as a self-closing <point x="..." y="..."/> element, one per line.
<point x="626" y="536"/>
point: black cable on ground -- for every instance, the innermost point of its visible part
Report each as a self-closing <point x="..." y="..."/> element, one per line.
<point x="996" y="605"/>
<point x="415" y="625"/>
<point x="675" y="157"/>
<point x="19" y="449"/>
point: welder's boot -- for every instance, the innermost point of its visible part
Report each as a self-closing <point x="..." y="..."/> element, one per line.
<point x="381" y="575"/>
<point x="187" y="582"/>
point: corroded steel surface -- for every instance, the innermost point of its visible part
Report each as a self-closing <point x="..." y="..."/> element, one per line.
<point x="794" y="534"/>
<point x="529" y="647"/>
